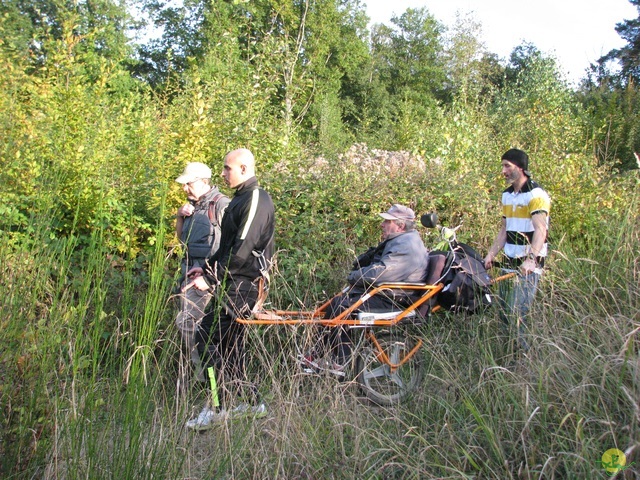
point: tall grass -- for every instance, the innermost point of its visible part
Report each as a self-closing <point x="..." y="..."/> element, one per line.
<point x="91" y="384"/>
<point x="92" y="381"/>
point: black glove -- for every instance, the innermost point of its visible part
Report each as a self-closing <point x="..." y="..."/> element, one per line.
<point x="365" y="259"/>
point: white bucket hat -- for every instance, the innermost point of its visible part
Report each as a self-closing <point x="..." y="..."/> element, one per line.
<point x="194" y="171"/>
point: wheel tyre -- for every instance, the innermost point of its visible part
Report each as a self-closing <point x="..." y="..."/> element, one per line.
<point x="377" y="381"/>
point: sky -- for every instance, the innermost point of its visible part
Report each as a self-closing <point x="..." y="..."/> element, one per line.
<point x="575" y="32"/>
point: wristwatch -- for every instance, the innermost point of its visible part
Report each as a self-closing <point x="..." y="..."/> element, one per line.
<point x="531" y="256"/>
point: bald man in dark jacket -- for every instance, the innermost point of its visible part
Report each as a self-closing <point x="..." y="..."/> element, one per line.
<point x="234" y="271"/>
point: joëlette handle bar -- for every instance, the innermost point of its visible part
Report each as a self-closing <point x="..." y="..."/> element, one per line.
<point x="503" y="277"/>
<point x="510" y="273"/>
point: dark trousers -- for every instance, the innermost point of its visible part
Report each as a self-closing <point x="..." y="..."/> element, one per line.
<point x="221" y="342"/>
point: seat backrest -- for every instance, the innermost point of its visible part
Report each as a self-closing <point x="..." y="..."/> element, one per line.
<point x="435" y="268"/>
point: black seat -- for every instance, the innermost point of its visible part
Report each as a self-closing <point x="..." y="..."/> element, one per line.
<point x="437" y="261"/>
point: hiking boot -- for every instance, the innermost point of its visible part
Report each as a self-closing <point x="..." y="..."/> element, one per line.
<point x="308" y="362"/>
<point x="319" y="365"/>
<point x="206" y="419"/>
<point x="336" y="368"/>
<point x="244" y="410"/>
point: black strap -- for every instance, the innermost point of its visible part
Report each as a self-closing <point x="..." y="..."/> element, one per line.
<point x="212" y="208"/>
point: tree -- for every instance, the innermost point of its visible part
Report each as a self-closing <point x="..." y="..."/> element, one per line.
<point x="407" y="76"/>
<point x="471" y="70"/>
<point x="299" y="52"/>
<point x="536" y="104"/>
<point x="95" y="29"/>
<point x="181" y="38"/>
<point x="629" y="55"/>
<point x="612" y="100"/>
<point x="339" y="44"/>
<point x="614" y="120"/>
<point x="409" y="56"/>
<point x="526" y="57"/>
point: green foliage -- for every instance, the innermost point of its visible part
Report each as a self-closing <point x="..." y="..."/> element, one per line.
<point x="63" y="129"/>
<point x="614" y="122"/>
<point x="472" y="72"/>
<point x="627" y="56"/>
<point x="610" y="95"/>
<point x="183" y="37"/>
<point x="332" y="134"/>
<point x="89" y="160"/>
<point x="409" y="56"/>
<point x="39" y="30"/>
<point x="406" y="78"/>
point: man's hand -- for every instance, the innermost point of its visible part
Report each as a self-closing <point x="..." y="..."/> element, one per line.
<point x="198" y="283"/>
<point x="488" y="261"/>
<point x="528" y="266"/>
<point x="194" y="272"/>
<point x="186" y="210"/>
<point x="197" y="280"/>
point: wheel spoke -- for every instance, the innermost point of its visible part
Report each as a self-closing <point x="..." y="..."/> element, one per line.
<point x="378" y="372"/>
<point x="395" y="378"/>
<point x="382" y="383"/>
<point x="394" y="357"/>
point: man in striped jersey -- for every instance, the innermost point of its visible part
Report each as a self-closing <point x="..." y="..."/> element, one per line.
<point x="234" y="272"/>
<point x="523" y="237"/>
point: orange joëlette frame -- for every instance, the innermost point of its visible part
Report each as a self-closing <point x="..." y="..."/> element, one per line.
<point x="298" y="317"/>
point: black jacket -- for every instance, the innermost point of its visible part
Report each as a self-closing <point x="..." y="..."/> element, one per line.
<point x="247" y="234"/>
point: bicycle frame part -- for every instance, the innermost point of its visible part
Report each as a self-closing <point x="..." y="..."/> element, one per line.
<point x="503" y="277"/>
<point x="383" y="357"/>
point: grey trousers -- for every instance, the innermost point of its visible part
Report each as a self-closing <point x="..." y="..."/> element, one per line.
<point x="193" y="304"/>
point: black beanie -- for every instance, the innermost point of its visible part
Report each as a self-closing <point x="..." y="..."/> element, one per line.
<point x="519" y="159"/>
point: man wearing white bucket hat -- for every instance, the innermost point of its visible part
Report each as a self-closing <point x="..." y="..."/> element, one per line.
<point x="198" y="228"/>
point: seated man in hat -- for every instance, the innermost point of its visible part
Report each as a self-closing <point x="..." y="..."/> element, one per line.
<point x="400" y="257"/>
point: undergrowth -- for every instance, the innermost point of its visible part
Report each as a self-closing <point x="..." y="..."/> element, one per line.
<point x="90" y="393"/>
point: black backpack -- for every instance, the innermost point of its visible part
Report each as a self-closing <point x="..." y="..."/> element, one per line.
<point x="466" y="281"/>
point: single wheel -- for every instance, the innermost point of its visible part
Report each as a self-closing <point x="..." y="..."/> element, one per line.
<point x="389" y="383"/>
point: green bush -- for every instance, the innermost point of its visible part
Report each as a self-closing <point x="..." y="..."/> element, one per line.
<point x="90" y="382"/>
